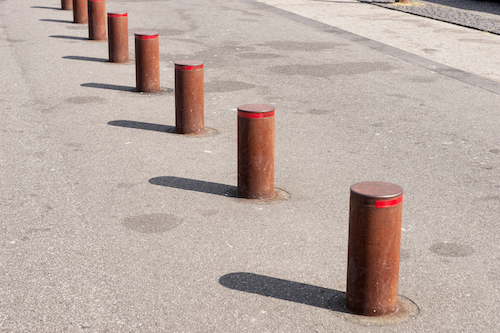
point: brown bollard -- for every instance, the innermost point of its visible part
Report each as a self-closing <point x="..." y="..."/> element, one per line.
<point x="67" y="4"/>
<point x="118" y="37"/>
<point x="80" y="11"/>
<point x="147" y="61"/>
<point x="256" y="151"/>
<point x="97" y="19"/>
<point x="189" y="97"/>
<point x="374" y="243"/>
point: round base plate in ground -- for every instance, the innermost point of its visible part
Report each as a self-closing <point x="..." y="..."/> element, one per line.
<point x="407" y="310"/>
<point x="162" y="91"/>
<point x="206" y="131"/>
<point x="279" y="195"/>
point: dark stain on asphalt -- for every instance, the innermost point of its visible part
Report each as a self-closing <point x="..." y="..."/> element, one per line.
<point x="259" y="55"/>
<point x="161" y="32"/>
<point x="77" y="27"/>
<point x="208" y="212"/>
<point x="318" y="112"/>
<point x="152" y="223"/>
<point x="420" y="79"/>
<point x="85" y="100"/>
<point x="328" y="70"/>
<point x="214" y="57"/>
<point x="302" y="46"/>
<point x="217" y="56"/>
<point x="446" y="249"/>
<point x="226" y="86"/>
<point x="399" y="96"/>
<point x="125" y="185"/>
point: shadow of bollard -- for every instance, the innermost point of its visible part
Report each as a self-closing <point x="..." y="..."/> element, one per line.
<point x="286" y="290"/>
<point x="143" y="126"/>
<point x="195" y="185"/>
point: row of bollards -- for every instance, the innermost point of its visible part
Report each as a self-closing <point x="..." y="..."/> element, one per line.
<point x="375" y="211"/>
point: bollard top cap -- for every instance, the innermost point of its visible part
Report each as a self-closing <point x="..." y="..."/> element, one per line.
<point x="117" y="14"/>
<point x="256" y="108"/>
<point x="188" y="63"/>
<point x="377" y="190"/>
<point x="146" y="34"/>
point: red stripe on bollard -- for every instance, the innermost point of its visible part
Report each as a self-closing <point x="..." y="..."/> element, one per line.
<point x="189" y="97"/>
<point x="256" y="151"/>
<point x="97" y="19"/>
<point x="80" y="11"/>
<point x="146" y="36"/>
<point x="188" y="68"/>
<point x="147" y="61"/>
<point x="255" y="115"/>
<point x="117" y="15"/>
<point x="374" y="246"/>
<point x="118" y="37"/>
<point x="389" y="203"/>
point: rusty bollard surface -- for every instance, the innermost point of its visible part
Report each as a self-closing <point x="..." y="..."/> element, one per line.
<point x="66" y="4"/>
<point x="189" y="97"/>
<point x="256" y="151"/>
<point x="97" y="19"/>
<point x="80" y="11"/>
<point x="147" y="61"/>
<point x="118" y="37"/>
<point x="374" y="244"/>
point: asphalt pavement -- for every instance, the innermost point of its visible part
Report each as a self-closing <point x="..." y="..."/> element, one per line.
<point x="112" y="223"/>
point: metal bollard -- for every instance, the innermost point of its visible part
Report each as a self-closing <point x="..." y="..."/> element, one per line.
<point x="66" y="4"/>
<point x="374" y="243"/>
<point x="97" y="19"/>
<point x="256" y="151"/>
<point x="189" y="97"/>
<point x="118" y="37"/>
<point x="147" y="61"/>
<point x="80" y="11"/>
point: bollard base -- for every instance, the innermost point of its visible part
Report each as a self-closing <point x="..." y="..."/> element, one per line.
<point x="162" y="91"/>
<point x="407" y="310"/>
<point x="206" y="131"/>
<point x="279" y="195"/>
<point x="130" y="62"/>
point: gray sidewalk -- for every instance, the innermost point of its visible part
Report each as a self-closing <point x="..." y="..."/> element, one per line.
<point x="480" y="15"/>
<point x="110" y="223"/>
